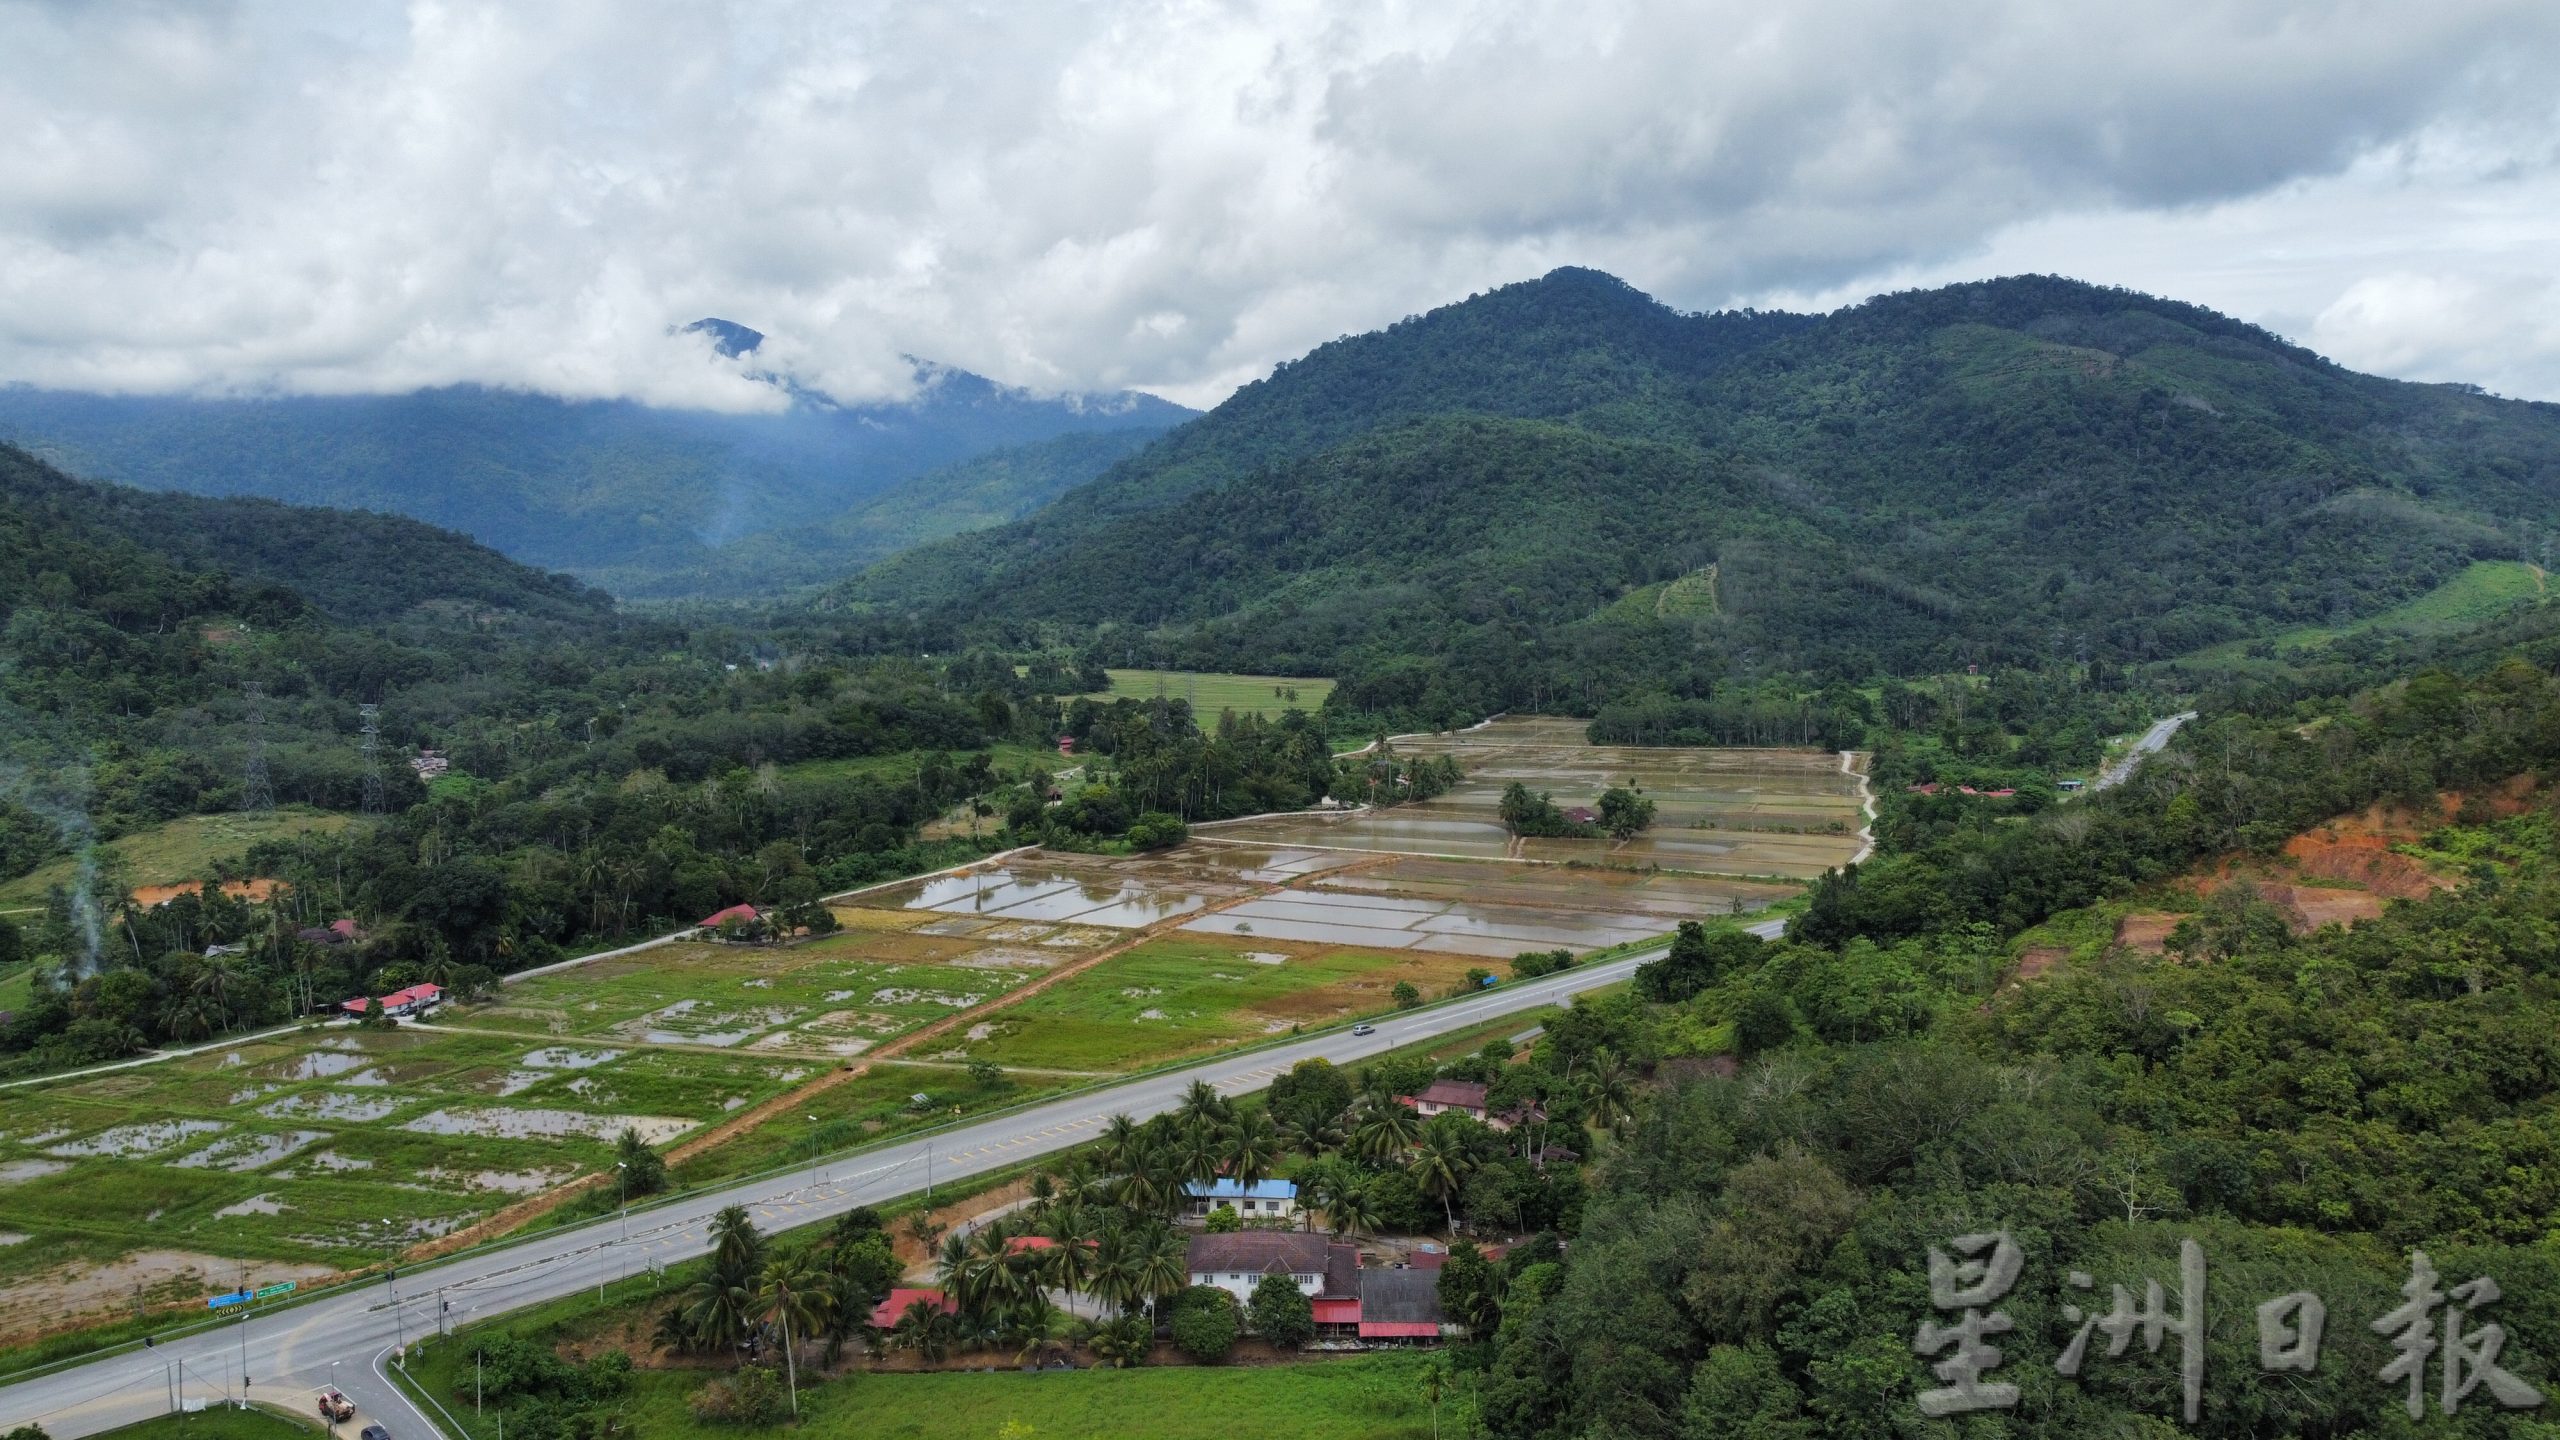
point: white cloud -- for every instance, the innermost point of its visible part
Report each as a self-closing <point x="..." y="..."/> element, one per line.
<point x="1176" y="195"/>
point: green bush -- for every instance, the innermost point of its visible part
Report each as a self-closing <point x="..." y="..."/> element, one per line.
<point x="1205" y="1326"/>
<point x="1281" y="1312"/>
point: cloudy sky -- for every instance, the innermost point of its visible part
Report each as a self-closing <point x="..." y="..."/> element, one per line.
<point x="341" y="195"/>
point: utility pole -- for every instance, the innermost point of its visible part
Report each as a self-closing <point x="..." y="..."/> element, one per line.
<point x="372" y="751"/>
<point x="257" y="790"/>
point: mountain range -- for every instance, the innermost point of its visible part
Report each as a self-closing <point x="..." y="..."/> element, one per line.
<point x="1562" y="490"/>
<point x="639" y="497"/>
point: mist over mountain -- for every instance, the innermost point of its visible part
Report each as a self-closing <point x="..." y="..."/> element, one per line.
<point x="590" y="486"/>
<point x="1474" y="505"/>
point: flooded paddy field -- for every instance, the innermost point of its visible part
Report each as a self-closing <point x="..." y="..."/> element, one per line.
<point x="1113" y="892"/>
<point x="1723" y="811"/>
<point x="288" y="1154"/>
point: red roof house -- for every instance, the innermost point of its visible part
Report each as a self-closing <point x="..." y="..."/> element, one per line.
<point x="399" y="1002"/>
<point x="1464" y="1096"/>
<point x="885" y="1315"/>
<point x="739" y="913"/>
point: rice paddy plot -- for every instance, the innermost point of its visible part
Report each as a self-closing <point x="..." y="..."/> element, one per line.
<point x="1128" y="893"/>
<point x="1719" y="810"/>
<point x="1662" y="898"/>
<point x="1188" y="992"/>
<point x="292" y="1152"/>
<point x="833" y="997"/>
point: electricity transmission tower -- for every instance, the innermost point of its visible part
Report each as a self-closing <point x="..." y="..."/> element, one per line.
<point x="257" y="791"/>
<point x="372" y="732"/>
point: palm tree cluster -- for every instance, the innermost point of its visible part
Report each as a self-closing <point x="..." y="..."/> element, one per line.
<point x="757" y="1294"/>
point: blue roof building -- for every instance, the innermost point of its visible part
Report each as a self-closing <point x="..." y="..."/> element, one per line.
<point x="1263" y="1199"/>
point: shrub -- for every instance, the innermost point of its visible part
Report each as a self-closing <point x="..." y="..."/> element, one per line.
<point x="1531" y="964"/>
<point x="1405" y="996"/>
<point x="1281" y="1312"/>
<point x="752" y="1397"/>
<point x="1223" y="1221"/>
<point x="1206" y="1329"/>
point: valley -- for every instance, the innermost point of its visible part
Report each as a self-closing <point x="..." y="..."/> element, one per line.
<point x="2024" y="718"/>
<point x="1026" y="973"/>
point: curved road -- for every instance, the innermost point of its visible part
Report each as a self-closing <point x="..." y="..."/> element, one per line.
<point x="2152" y="741"/>
<point x="346" y="1338"/>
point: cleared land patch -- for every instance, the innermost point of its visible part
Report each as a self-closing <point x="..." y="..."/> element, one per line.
<point x="180" y="851"/>
<point x="1210" y="692"/>
<point x="2481" y="591"/>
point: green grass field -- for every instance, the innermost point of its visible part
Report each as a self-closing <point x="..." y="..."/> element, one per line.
<point x="2484" y="590"/>
<point x="220" y="1423"/>
<point x="178" y="851"/>
<point x="872" y="1107"/>
<point x="1362" y="1397"/>
<point x="1181" y="994"/>
<point x="1210" y="692"/>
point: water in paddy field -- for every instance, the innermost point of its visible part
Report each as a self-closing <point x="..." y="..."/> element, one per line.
<point x="1727" y="811"/>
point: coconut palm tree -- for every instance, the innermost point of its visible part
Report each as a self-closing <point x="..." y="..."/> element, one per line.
<point x="1201" y="1102"/>
<point x="1318" y="1189"/>
<point x="1312" y="1137"/>
<point x="1252" y="1147"/>
<point x="720" y="1306"/>
<point x="1119" y="1142"/>
<point x="1164" y="1266"/>
<point x="736" y="1243"/>
<point x="1113" y="1274"/>
<point x="794" y="1295"/>
<point x="1199" y="1149"/>
<point x="1351" y="1214"/>
<point x="1608" y="1091"/>
<point x="674" y="1332"/>
<point x="1440" y="1166"/>
<point x="1384" y="1131"/>
<point x="849" y="1304"/>
<point x="1121" y="1343"/>
<point x="926" y="1328"/>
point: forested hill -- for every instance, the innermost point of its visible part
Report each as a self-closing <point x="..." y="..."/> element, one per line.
<point x="1468" y="511"/>
<point x="986" y="489"/>
<point x="582" y="485"/>
<point x="131" y="554"/>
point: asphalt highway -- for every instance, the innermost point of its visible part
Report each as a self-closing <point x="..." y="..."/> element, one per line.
<point x="286" y="1355"/>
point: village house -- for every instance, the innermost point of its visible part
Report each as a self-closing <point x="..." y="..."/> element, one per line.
<point x="1401" y="1305"/>
<point x="415" y="1000"/>
<point x="885" y="1315"/>
<point x="1466" y="1097"/>
<point x="1261" y="1200"/>
<point x="1322" y="1270"/>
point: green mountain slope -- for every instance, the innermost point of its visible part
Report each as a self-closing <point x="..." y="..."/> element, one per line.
<point x="2003" y="472"/>
<point x="592" y="486"/>
<point x="981" y="491"/>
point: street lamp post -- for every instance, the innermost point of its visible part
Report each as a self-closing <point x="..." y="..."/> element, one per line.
<point x="813" y="1151"/>
<point x="622" y="1179"/>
